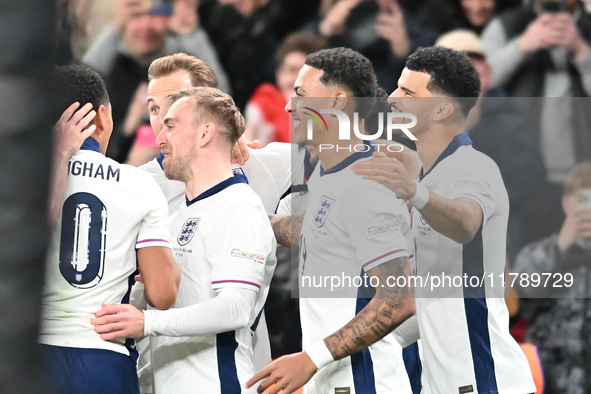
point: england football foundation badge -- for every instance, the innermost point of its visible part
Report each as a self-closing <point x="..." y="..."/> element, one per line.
<point x="186" y="234"/>
<point x="323" y="210"/>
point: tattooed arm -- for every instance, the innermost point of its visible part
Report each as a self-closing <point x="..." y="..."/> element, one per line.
<point x="386" y="311"/>
<point x="287" y="229"/>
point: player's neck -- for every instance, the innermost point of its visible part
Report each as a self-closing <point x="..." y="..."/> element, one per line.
<point x="209" y="169"/>
<point x="432" y="143"/>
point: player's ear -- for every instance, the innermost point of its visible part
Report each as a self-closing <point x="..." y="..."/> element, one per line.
<point x="339" y="101"/>
<point x="444" y="110"/>
<point x="101" y="119"/>
<point x="206" y="133"/>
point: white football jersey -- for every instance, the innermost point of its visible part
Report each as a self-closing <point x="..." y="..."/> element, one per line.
<point x="268" y="171"/>
<point x="109" y="211"/>
<point x="467" y="347"/>
<point x="220" y="239"/>
<point x="351" y="225"/>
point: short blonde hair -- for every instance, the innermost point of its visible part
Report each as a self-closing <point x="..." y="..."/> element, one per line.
<point x="578" y="178"/>
<point x="201" y="74"/>
<point x="211" y="104"/>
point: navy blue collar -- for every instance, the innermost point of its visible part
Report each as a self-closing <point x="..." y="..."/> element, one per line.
<point x="349" y="160"/>
<point x="237" y="178"/>
<point x="459" y="140"/>
<point x="159" y="159"/>
<point x="91" y="144"/>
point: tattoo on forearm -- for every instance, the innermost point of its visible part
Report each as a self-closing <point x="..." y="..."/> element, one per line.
<point x="386" y="311"/>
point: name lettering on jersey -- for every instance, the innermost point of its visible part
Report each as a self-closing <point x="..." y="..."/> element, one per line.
<point x="323" y="210"/>
<point x="93" y="170"/>
<point x="243" y="254"/>
<point x="238" y="171"/>
<point x="187" y="231"/>
<point x="382" y="228"/>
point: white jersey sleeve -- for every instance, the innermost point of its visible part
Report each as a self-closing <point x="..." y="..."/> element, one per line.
<point x="238" y="258"/>
<point x="229" y="310"/>
<point x="476" y="185"/>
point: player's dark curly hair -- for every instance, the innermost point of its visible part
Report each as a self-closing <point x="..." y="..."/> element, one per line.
<point x="346" y="68"/>
<point x="82" y="84"/>
<point x="452" y="74"/>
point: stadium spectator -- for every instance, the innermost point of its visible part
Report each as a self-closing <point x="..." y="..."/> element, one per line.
<point x="446" y="15"/>
<point x="109" y="212"/>
<point x="247" y="33"/>
<point x="541" y="49"/>
<point x="381" y="30"/>
<point x="266" y="120"/>
<point x="123" y="51"/>
<point x="205" y="341"/>
<point x="560" y="327"/>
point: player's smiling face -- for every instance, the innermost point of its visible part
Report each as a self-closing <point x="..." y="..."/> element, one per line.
<point x="177" y="140"/>
<point x="307" y="90"/>
<point x="159" y="89"/>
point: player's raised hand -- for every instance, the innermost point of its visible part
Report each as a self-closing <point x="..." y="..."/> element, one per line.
<point x="69" y="134"/>
<point x="118" y="321"/>
<point x="288" y="373"/>
<point x="389" y="172"/>
<point x="72" y="129"/>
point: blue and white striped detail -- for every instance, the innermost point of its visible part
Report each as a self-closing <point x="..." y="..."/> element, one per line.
<point x="249" y="284"/>
<point x="384" y="258"/>
<point x="152" y="242"/>
<point x="477" y="318"/>
<point x="226" y="346"/>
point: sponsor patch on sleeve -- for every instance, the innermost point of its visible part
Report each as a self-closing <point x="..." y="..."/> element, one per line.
<point x="243" y="254"/>
<point x="382" y="228"/>
<point x="482" y="187"/>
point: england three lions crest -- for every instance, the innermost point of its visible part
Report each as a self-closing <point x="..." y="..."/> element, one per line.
<point x="186" y="234"/>
<point x="323" y="210"/>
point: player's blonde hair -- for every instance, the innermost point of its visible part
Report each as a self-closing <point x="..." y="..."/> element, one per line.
<point x="200" y="73"/>
<point x="578" y="178"/>
<point x="213" y="105"/>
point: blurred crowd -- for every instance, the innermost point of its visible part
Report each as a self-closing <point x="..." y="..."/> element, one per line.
<point x="533" y="119"/>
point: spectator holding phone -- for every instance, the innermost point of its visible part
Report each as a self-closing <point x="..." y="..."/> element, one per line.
<point x="542" y="50"/>
<point x="560" y="327"/>
<point x="384" y="31"/>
